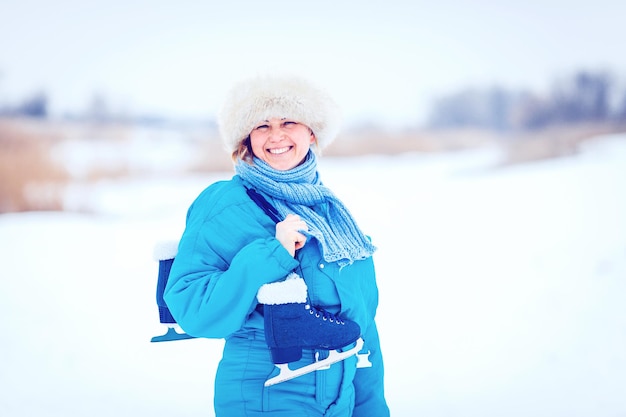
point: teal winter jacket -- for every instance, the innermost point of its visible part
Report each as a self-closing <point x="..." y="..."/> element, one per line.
<point x="228" y="250"/>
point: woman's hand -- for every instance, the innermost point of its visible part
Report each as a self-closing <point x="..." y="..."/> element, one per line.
<point x="288" y="233"/>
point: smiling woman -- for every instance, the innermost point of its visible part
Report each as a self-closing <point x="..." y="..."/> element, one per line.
<point x="273" y="262"/>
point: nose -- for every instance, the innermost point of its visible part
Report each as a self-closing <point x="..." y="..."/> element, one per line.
<point x="276" y="134"/>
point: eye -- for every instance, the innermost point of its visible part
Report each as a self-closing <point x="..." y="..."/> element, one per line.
<point x="261" y="127"/>
<point x="289" y="123"/>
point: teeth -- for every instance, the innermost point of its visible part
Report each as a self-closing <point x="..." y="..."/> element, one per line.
<point x="279" y="150"/>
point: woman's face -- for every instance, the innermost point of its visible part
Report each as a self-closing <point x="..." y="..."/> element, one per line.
<point x="281" y="143"/>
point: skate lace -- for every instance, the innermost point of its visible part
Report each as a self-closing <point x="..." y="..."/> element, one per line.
<point x="323" y="314"/>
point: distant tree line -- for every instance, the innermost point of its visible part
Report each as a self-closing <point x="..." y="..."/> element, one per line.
<point x="97" y="109"/>
<point x="582" y="97"/>
<point x="585" y="96"/>
<point x="35" y="106"/>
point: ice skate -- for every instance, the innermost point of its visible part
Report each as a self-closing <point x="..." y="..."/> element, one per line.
<point x="164" y="253"/>
<point x="293" y="324"/>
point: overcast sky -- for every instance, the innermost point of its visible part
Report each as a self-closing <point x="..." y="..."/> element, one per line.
<point x="384" y="61"/>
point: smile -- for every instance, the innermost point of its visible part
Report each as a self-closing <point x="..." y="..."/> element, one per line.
<point x="278" y="151"/>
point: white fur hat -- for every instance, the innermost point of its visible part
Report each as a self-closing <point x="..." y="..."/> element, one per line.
<point x="263" y="97"/>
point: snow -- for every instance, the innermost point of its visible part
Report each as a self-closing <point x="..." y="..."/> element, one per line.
<point x="501" y="290"/>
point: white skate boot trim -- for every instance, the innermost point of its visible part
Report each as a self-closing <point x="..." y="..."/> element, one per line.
<point x="333" y="357"/>
<point x="292" y="290"/>
<point x="165" y="250"/>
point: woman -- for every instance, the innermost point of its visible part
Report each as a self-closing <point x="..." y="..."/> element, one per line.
<point x="292" y="233"/>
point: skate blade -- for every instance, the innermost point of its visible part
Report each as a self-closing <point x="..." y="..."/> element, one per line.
<point x="171" y="336"/>
<point x="333" y="357"/>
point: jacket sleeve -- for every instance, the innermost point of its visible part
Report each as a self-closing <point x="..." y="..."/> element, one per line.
<point x="223" y="259"/>
<point x="368" y="382"/>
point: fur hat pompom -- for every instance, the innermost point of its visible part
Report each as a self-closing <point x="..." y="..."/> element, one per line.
<point x="263" y="97"/>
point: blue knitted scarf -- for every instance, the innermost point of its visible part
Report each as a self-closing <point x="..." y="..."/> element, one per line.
<point x="300" y="191"/>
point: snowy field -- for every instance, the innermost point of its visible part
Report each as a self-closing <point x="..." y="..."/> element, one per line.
<point x="503" y="290"/>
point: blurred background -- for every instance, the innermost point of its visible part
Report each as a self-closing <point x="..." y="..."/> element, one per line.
<point x="483" y="149"/>
<point x="534" y="77"/>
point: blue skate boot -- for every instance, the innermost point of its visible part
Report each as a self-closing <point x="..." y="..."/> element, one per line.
<point x="293" y="324"/>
